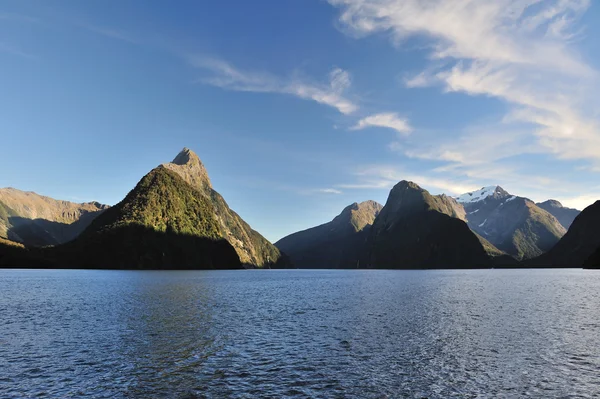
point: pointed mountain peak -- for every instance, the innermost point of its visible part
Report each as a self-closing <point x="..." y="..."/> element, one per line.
<point x="186" y="156"/>
<point x="188" y="165"/>
<point x="495" y="192"/>
<point x="406" y="196"/>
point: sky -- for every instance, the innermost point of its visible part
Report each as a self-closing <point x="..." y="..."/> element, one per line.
<point x="299" y="108"/>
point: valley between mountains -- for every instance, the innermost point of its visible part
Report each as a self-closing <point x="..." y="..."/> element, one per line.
<point x="174" y="219"/>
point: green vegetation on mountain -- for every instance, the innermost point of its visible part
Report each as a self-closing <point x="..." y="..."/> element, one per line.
<point x="5" y="214"/>
<point x="161" y="224"/>
<point x="163" y="202"/>
<point x="336" y="244"/>
<point x="489" y="248"/>
<point x="416" y="230"/>
<point x="253" y="249"/>
<point x="172" y="219"/>
<point x="534" y="232"/>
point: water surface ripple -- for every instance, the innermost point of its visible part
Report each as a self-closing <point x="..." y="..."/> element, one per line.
<point x="299" y="334"/>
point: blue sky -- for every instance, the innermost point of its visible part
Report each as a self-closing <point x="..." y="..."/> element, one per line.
<point x="301" y="107"/>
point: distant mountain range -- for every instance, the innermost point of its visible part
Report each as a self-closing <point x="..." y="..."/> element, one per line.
<point x="173" y="218"/>
<point x="514" y="225"/>
<point x="36" y="220"/>
<point x="418" y="230"/>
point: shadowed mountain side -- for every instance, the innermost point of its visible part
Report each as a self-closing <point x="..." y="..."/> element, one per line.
<point x="15" y="255"/>
<point x="578" y="245"/>
<point x="140" y="247"/>
<point x="593" y="262"/>
<point x="126" y="247"/>
<point x="428" y="240"/>
<point x="336" y="244"/>
<point x="416" y="230"/>
<point x="41" y="232"/>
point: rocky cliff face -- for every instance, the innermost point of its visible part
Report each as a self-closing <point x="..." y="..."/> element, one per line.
<point x="417" y="230"/>
<point x="513" y="224"/>
<point x="252" y="248"/>
<point x="36" y="220"/>
<point x="189" y="167"/>
<point x="336" y="244"/>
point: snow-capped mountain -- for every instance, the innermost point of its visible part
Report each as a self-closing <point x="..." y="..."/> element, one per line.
<point x="515" y="225"/>
<point x="495" y="192"/>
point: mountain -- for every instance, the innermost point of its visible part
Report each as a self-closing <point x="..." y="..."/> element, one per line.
<point x="416" y="230"/>
<point x="579" y="246"/>
<point x="565" y="216"/>
<point x="333" y="245"/>
<point x="163" y="223"/>
<point x="515" y="225"/>
<point x="36" y="220"/>
<point x="173" y="218"/>
<point x="252" y="248"/>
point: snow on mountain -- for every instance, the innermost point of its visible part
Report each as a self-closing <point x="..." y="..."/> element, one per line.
<point x="479" y="195"/>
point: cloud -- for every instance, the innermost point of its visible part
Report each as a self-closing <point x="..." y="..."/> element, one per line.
<point x="388" y="120"/>
<point x="386" y="176"/>
<point x="521" y="52"/>
<point x="498" y="31"/>
<point x="580" y="202"/>
<point x="329" y="191"/>
<point x="229" y="77"/>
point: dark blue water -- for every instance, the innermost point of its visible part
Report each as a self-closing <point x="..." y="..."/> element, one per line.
<point x="300" y="334"/>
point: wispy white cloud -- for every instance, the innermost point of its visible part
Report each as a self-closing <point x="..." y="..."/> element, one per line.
<point x="522" y="52"/>
<point x="329" y="191"/>
<point x="388" y="120"/>
<point x="386" y="176"/>
<point x="496" y="31"/>
<point x="228" y="77"/>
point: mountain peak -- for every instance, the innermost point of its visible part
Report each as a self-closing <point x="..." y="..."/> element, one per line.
<point x="186" y="156"/>
<point x="405" y="184"/>
<point x="188" y="165"/>
<point x="551" y="203"/>
<point x="496" y="192"/>
<point x="359" y="215"/>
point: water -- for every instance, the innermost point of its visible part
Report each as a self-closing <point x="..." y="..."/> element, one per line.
<point x="299" y="334"/>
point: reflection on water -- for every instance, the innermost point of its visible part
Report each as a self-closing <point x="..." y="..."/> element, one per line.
<point x="299" y="334"/>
